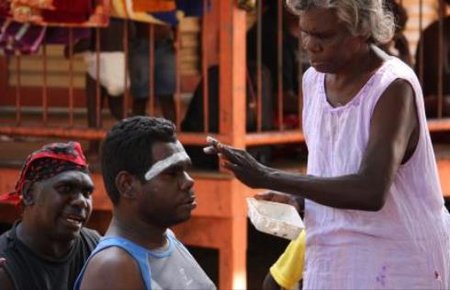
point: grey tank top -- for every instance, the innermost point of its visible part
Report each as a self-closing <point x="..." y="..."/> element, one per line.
<point x="170" y="267"/>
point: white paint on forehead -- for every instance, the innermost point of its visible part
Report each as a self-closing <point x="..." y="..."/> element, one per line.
<point x="179" y="156"/>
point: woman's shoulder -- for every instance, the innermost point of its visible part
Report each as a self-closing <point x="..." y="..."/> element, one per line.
<point x="395" y="68"/>
<point x="310" y="76"/>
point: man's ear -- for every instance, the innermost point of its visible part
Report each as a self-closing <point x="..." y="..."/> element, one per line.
<point x="27" y="193"/>
<point x="125" y="183"/>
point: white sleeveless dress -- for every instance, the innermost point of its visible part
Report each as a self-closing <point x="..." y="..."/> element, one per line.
<point x="405" y="245"/>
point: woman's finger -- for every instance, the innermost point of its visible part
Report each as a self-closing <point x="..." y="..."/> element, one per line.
<point x="231" y="154"/>
<point x="229" y="165"/>
<point x="210" y="150"/>
<point x="212" y="141"/>
<point x="264" y="196"/>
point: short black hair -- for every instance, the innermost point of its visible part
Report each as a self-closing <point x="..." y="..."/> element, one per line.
<point x="127" y="146"/>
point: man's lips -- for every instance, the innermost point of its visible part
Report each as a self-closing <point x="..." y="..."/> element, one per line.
<point x="74" y="219"/>
<point x="191" y="202"/>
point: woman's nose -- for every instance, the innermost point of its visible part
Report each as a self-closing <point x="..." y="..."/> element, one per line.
<point x="310" y="44"/>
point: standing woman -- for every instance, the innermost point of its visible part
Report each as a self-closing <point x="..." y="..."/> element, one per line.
<point x="374" y="211"/>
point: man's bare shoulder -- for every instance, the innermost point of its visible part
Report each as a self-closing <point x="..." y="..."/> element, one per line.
<point x="112" y="260"/>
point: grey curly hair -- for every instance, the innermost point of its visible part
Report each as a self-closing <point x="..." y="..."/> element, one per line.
<point x="362" y="17"/>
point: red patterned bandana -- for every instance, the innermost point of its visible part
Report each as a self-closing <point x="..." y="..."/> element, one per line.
<point x="50" y="160"/>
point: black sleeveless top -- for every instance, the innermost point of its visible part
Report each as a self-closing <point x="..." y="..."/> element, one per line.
<point x="30" y="271"/>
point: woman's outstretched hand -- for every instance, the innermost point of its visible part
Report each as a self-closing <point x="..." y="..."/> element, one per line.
<point x="240" y="162"/>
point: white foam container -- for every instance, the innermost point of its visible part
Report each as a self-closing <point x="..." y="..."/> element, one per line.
<point x="278" y="219"/>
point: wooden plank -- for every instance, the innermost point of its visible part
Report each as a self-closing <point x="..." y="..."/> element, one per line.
<point x="274" y="137"/>
<point x="413" y="29"/>
<point x="444" y="173"/>
<point x="190" y="25"/>
<point x="33" y="65"/>
<point x="31" y="96"/>
<point x="232" y="73"/>
<point x="437" y="125"/>
<point x="232" y="95"/>
<point x="58" y="65"/>
<point x="4" y="74"/>
<point x="54" y="80"/>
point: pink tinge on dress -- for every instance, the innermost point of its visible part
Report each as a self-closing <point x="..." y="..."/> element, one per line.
<point x="405" y="245"/>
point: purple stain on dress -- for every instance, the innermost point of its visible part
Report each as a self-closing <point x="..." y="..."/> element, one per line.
<point x="381" y="278"/>
<point x="437" y="276"/>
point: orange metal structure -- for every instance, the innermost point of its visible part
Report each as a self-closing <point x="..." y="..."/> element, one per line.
<point x="220" y="220"/>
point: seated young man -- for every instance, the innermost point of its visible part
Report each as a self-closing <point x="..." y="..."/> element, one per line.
<point x="144" y="171"/>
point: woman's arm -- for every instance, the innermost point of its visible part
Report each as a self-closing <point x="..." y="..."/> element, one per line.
<point x="392" y="126"/>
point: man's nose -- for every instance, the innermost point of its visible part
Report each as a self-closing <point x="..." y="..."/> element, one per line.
<point x="187" y="182"/>
<point x="81" y="200"/>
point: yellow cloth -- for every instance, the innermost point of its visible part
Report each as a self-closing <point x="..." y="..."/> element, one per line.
<point x="288" y="269"/>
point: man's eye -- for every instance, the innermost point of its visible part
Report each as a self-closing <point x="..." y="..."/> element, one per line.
<point x="88" y="192"/>
<point x="171" y="172"/>
<point x="64" y="189"/>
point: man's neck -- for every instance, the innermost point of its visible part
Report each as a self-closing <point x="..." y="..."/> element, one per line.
<point x="143" y="234"/>
<point x="41" y="243"/>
